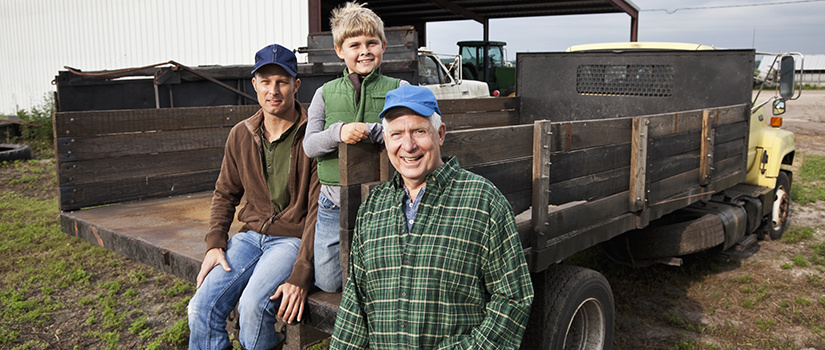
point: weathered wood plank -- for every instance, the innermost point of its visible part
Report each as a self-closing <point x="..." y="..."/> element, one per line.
<point x="467" y="105"/>
<point x="345" y="246"/>
<point x="688" y="121"/>
<point x="675" y="123"/>
<point x="590" y="187"/>
<point x="670" y="186"/>
<point x="480" y="120"/>
<point x="93" y="123"/>
<point x="733" y="164"/>
<point x="111" y="169"/>
<point x="508" y="176"/>
<point x="638" y="164"/>
<point x="359" y="163"/>
<point x="672" y="165"/>
<point x="725" y="133"/>
<point x="84" y="195"/>
<point x="731" y="148"/>
<point x="479" y="146"/>
<point x="663" y="147"/>
<point x="542" y="139"/>
<point x="110" y="146"/>
<point x="572" y="242"/>
<point x="350" y="201"/>
<point x="582" y="162"/>
<point x="569" y="136"/>
<point x="706" y="149"/>
<point x="586" y="214"/>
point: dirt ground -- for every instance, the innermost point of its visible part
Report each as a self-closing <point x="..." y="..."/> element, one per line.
<point x="805" y="117"/>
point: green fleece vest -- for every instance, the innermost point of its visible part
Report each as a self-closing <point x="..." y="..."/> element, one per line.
<point x="340" y="105"/>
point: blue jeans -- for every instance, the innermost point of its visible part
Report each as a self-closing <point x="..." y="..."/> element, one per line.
<point x="327" y="262"/>
<point x="245" y="286"/>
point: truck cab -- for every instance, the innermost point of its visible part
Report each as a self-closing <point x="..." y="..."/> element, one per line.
<point x="446" y="81"/>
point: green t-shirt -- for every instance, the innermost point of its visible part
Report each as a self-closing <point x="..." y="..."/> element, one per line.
<point x="276" y="156"/>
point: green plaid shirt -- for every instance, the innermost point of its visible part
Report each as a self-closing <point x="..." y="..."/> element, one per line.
<point x="459" y="281"/>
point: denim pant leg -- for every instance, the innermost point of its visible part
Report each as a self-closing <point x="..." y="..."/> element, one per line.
<point x="220" y="292"/>
<point x="327" y="262"/>
<point x="257" y="314"/>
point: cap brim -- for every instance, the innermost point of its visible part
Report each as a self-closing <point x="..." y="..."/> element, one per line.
<point x="289" y="71"/>
<point x="422" y="110"/>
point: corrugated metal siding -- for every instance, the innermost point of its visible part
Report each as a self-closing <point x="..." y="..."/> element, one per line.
<point x="813" y="69"/>
<point x="40" y="37"/>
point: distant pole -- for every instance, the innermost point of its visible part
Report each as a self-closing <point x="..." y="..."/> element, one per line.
<point x="753" y="43"/>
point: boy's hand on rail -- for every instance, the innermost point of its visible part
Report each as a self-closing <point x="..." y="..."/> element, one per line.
<point x="354" y="132"/>
<point x="214" y="257"/>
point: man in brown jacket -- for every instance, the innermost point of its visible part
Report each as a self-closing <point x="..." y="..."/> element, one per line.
<point x="266" y="268"/>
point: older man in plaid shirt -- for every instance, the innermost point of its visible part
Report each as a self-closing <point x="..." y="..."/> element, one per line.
<point x="436" y="261"/>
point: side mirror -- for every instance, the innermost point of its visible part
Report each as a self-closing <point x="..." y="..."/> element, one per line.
<point x="779" y="107"/>
<point x="786" y="76"/>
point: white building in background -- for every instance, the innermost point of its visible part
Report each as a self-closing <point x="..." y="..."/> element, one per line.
<point x="40" y="37"/>
<point x="809" y="71"/>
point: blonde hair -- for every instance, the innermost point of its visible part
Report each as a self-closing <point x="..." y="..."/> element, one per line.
<point x="352" y="20"/>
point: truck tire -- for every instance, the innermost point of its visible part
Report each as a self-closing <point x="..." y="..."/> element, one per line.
<point x="778" y="220"/>
<point x="12" y="151"/>
<point x="680" y="233"/>
<point x="579" y="310"/>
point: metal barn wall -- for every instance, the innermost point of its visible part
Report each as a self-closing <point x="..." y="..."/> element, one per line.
<point x="40" y="37"/>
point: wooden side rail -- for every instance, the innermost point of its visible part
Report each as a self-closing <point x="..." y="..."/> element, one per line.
<point x="622" y="173"/>
<point x="115" y="156"/>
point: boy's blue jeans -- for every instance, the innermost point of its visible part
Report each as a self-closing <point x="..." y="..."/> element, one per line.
<point x="260" y="264"/>
<point x="327" y="262"/>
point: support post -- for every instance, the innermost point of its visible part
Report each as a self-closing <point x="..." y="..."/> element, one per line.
<point x="542" y="139"/>
<point x="638" y="164"/>
<point x="706" y="150"/>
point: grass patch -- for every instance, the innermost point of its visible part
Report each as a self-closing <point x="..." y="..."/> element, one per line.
<point x="800" y="261"/>
<point x="797" y="234"/>
<point x="809" y="181"/>
<point x="49" y="276"/>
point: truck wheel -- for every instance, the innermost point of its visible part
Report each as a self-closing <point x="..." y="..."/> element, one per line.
<point x="781" y="207"/>
<point x="579" y="310"/>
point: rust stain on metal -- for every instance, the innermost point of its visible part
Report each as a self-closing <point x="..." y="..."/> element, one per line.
<point x="97" y="236"/>
<point x="166" y="258"/>
<point x="676" y="123"/>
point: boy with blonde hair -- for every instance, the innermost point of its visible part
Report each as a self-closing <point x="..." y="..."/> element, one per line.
<point x="345" y="110"/>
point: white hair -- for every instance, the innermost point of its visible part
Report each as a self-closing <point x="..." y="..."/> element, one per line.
<point x="435" y="118"/>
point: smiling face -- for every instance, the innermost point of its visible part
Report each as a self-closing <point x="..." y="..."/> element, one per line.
<point x="361" y="53"/>
<point x="414" y="147"/>
<point x="276" y="90"/>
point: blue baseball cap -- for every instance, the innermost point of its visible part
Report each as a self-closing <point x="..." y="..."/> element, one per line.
<point x="418" y="98"/>
<point x="276" y="54"/>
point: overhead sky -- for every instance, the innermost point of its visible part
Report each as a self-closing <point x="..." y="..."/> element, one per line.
<point x="766" y="25"/>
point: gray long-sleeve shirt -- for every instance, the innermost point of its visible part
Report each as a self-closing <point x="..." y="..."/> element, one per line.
<point x="318" y="142"/>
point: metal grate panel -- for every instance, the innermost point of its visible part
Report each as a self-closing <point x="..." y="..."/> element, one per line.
<point x="649" y="80"/>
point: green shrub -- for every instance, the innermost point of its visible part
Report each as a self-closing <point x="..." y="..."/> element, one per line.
<point x="39" y="136"/>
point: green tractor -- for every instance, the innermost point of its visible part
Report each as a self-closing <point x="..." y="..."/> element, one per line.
<point x="485" y="61"/>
